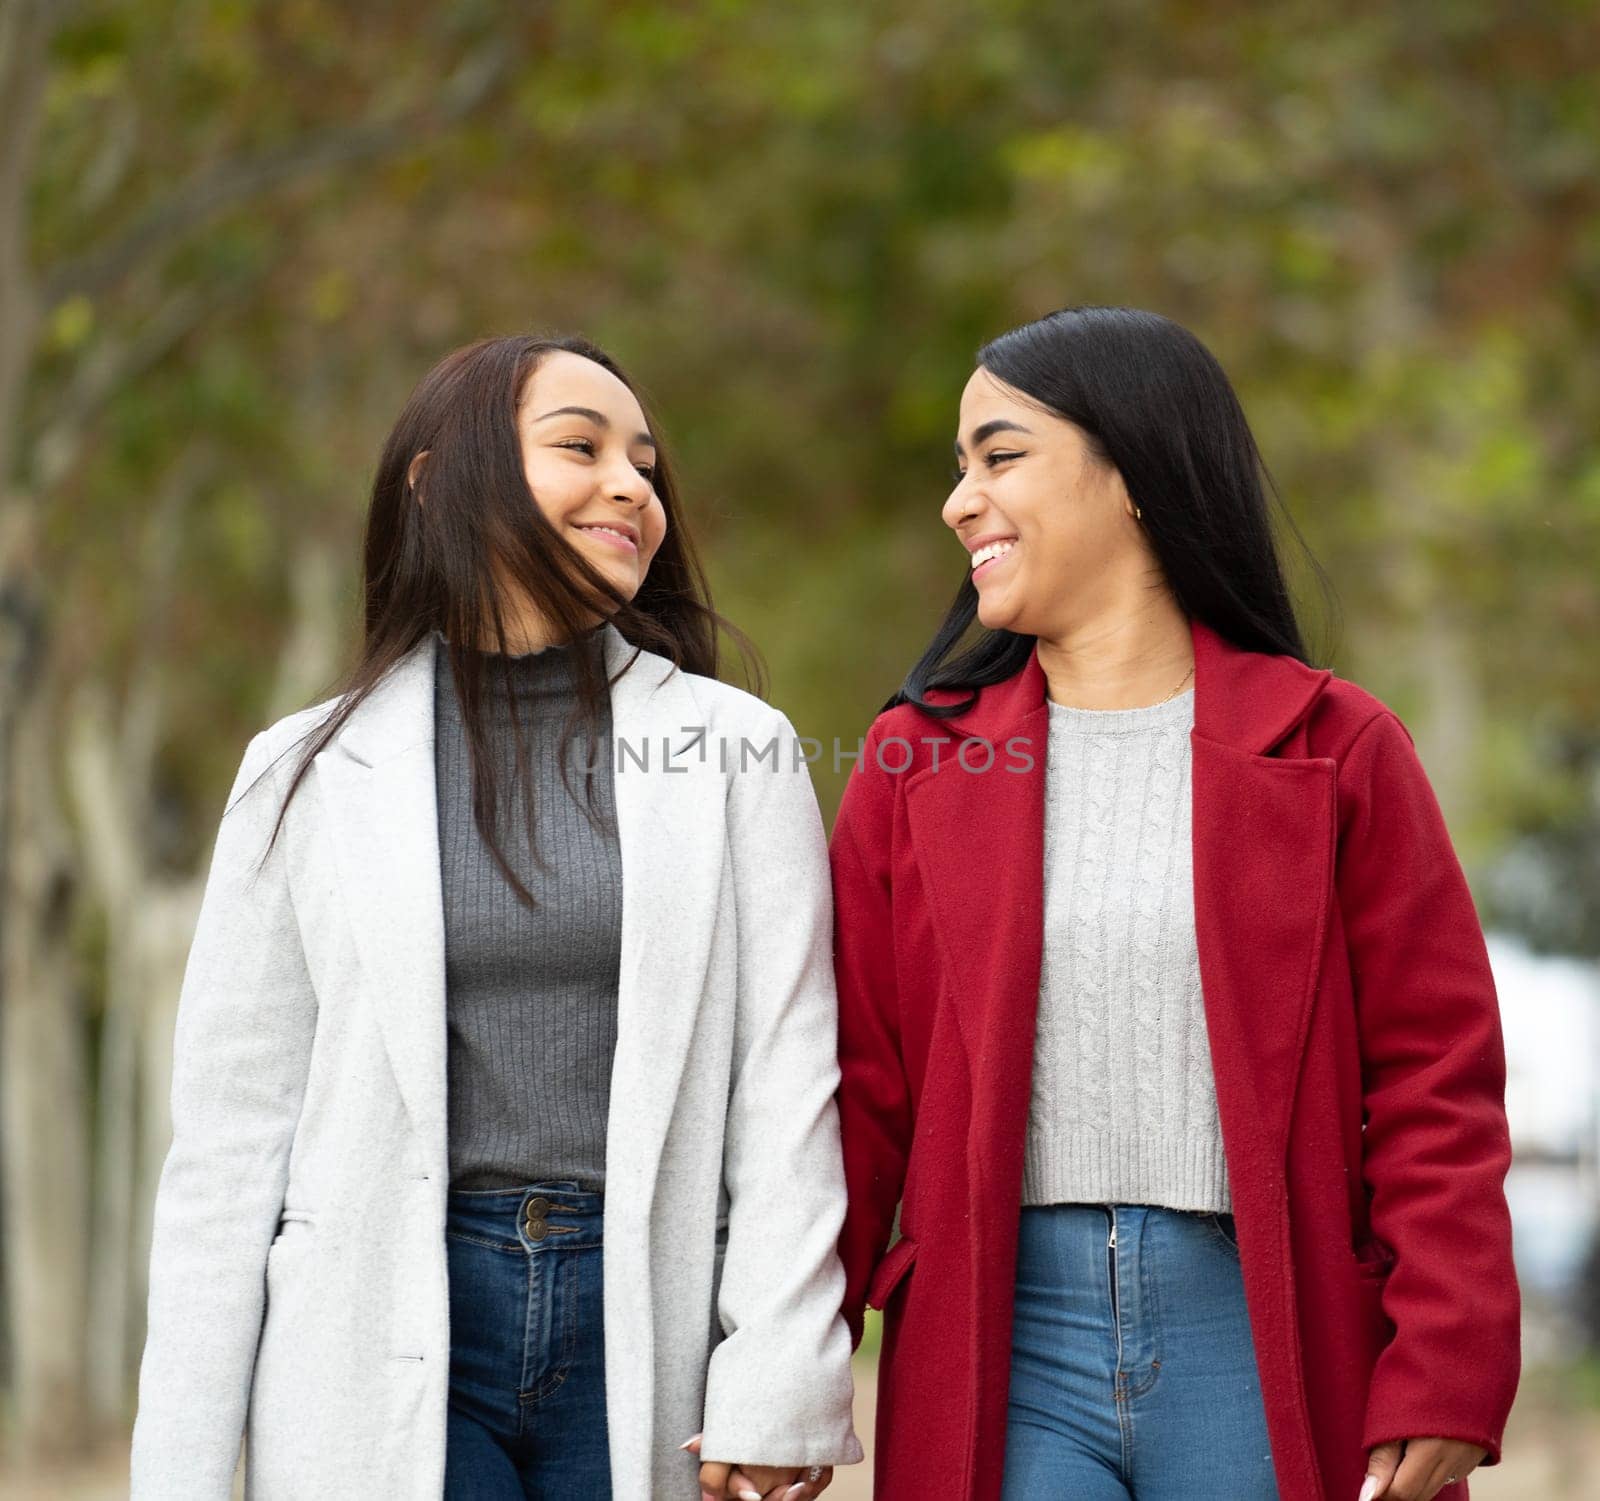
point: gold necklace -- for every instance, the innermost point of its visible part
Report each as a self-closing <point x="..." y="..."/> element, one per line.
<point x="1181" y="681"/>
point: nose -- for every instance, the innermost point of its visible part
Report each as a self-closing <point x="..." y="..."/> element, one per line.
<point x="630" y="488"/>
<point x="962" y="504"/>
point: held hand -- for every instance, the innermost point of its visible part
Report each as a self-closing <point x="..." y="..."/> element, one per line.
<point x="1424" y="1467"/>
<point x="719" y="1480"/>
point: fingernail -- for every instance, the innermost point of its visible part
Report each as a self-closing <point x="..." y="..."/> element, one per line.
<point x="749" y="1496"/>
<point x="691" y="1438"/>
<point x="794" y="1490"/>
<point x="1369" y="1488"/>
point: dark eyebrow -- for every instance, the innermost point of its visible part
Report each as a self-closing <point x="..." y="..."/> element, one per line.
<point x="989" y="429"/>
<point x="598" y="418"/>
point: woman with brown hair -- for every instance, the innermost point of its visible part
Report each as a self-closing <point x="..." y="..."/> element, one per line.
<point x="421" y="1061"/>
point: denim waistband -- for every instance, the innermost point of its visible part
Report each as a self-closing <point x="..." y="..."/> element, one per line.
<point x="533" y="1217"/>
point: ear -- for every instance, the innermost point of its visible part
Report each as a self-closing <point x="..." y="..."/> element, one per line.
<point x="414" y="470"/>
<point x="1130" y="507"/>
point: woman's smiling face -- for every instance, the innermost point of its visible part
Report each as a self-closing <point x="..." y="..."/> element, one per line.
<point x="590" y="461"/>
<point x="1042" y="517"/>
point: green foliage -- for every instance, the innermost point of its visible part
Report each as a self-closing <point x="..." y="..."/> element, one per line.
<point x="795" y="224"/>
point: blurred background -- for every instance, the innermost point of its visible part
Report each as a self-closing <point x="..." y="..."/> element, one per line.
<point x="234" y="234"/>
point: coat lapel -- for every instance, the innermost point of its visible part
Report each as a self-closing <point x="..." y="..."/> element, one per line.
<point x="1263" y="839"/>
<point x="379" y="772"/>
<point x="670" y="828"/>
<point x="979" y="838"/>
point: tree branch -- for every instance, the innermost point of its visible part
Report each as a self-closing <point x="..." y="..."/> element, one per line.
<point x="229" y="185"/>
<point x="26" y="27"/>
<point x="25" y="30"/>
<point x="54" y="448"/>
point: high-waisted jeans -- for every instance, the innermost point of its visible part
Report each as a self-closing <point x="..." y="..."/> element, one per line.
<point x="527" y="1416"/>
<point x="1132" y="1372"/>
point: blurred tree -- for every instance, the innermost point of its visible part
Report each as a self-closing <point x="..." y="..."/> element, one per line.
<point x="104" y="278"/>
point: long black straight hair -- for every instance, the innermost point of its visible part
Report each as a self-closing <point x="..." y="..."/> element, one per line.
<point x="1151" y="400"/>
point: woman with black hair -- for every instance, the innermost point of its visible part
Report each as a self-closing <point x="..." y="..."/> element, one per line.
<point x="505" y="1155"/>
<point x="1166" y="1021"/>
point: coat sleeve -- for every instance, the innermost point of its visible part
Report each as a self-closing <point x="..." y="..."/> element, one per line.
<point x="241" y="1052"/>
<point x="779" y="1388"/>
<point x="1436" y="1146"/>
<point x="875" y="1111"/>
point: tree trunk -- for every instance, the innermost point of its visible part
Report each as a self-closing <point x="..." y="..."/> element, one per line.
<point x="43" y="1090"/>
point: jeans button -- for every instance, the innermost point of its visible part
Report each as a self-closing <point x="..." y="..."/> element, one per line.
<point x="533" y="1218"/>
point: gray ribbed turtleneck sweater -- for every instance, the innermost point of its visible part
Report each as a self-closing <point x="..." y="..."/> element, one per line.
<point x="1124" y="1105"/>
<point x="531" y="1006"/>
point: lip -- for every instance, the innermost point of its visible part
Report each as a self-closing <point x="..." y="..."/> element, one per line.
<point x="984" y="569"/>
<point x="627" y="528"/>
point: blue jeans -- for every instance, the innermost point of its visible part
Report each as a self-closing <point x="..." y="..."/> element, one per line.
<point x="1132" y="1372"/>
<point x="527" y="1417"/>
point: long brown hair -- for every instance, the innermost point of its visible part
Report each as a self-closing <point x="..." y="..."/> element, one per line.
<point x="432" y="549"/>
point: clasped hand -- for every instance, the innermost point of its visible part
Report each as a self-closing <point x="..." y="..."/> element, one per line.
<point x="722" y="1481"/>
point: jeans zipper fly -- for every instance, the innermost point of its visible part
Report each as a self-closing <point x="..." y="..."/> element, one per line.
<point x="1111" y="1259"/>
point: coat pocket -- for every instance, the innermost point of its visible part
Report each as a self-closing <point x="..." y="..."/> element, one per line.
<point x="296" y="1229"/>
<point x="1374" y="1262"/>
<point x="718" y="1258"/>
<point x="887" y="1274"/>
<point x="294" y="1226"/>
<point x="1374" y="1259"/>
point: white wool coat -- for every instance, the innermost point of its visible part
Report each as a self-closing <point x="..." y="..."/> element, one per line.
<point x="298" y="1282"/>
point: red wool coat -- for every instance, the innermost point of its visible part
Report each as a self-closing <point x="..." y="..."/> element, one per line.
<point x="1355" y="1043"/>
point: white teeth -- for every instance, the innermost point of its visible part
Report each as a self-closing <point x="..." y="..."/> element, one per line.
<point x="991" y="550"/>
<point x="609" y="530"/>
